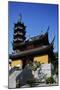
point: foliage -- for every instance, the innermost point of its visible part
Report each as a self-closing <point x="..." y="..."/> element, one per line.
<point x="31" y="82"/>
<point x="50" y="80"/>
<point x="34" y="65"/>
<point x="17" y="84"/>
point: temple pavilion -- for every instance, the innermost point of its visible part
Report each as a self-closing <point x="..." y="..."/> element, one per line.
<point x="36" y="48"/>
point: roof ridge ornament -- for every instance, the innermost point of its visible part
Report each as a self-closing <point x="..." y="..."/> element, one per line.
<point x="53" y="40"/>
<point x="52" y="43"/>
<point x="46" y="33"/>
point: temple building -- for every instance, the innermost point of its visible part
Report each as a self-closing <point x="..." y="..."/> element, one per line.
<point x="36" y="48"/>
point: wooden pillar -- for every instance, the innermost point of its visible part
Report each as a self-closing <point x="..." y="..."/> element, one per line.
<point x="26" y="60"/>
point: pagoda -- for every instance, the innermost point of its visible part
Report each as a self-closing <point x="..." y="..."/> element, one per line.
<point x="19" y="35"/>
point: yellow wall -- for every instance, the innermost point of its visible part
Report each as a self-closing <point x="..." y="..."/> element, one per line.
<point x="16" y="62"/>
<point x="41" y="59"/>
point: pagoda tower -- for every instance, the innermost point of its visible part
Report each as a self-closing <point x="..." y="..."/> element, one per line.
<point x="19" y="34"/>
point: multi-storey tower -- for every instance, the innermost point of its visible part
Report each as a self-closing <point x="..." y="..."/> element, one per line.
<point x="19" y="34"/>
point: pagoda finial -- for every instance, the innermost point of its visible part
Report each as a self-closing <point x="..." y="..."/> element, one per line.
<point x="20" y="17"/>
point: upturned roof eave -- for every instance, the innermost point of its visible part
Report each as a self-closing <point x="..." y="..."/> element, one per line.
<point x="35" y="51"/>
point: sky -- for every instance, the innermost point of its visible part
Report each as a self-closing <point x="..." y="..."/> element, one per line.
<point x="36" y="17"/>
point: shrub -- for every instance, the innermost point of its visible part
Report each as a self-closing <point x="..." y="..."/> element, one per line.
<point x="34" y="65"/>
<point x="50" y="80"/>
<point x="31" y="82"/>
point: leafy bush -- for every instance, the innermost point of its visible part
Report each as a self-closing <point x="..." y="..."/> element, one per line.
<point x="17" y="84"/>
<point x="50" y="80"/>
<point x="31" y="82"/>
<point x="34" y="65"/>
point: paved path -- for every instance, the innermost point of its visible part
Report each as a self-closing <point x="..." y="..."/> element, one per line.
<point x="12" y="79"/>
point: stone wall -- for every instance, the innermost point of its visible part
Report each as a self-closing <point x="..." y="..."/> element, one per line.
<point x="45" y="70"/>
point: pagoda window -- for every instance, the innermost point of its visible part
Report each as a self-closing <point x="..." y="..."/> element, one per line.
<point x="15" y="33"/>
<point x="15" y="39"/>
<point x="20" y="33"/>
<point x="18" y="28"/>
<point x="20" y="39"/>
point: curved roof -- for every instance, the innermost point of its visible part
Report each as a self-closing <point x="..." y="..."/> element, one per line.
<point x="35" y="51"/>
